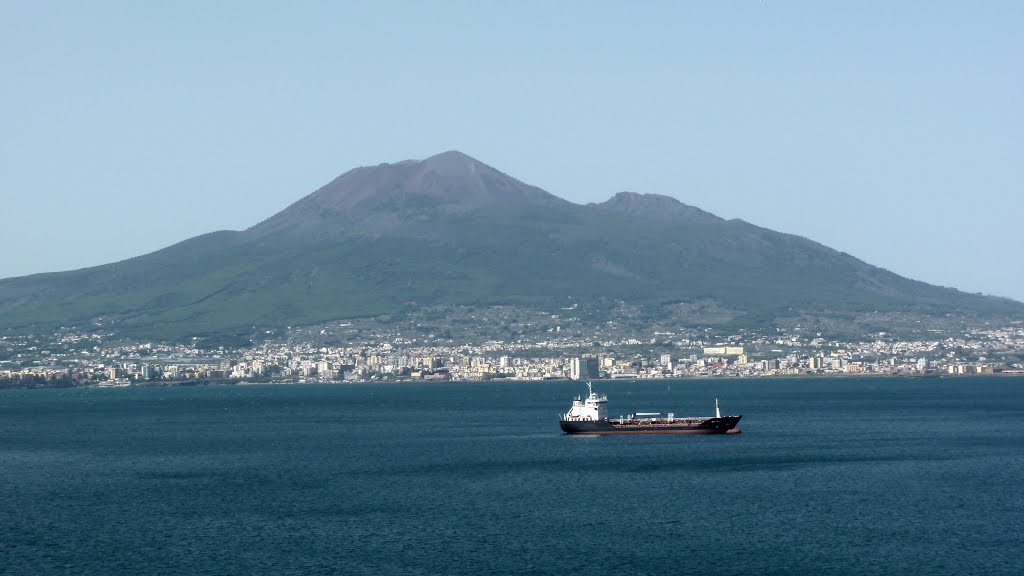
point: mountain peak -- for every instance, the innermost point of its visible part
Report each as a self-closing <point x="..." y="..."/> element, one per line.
<point x="451" y="157"/>
<point x="654" y="206"/>
<point x="455" y="164"/>
<point x="387" y="196"/>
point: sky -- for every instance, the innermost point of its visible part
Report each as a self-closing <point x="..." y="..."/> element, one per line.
<point x="893" y="131"/>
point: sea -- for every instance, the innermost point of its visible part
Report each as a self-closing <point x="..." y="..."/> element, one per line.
<point x="830" y="476"/>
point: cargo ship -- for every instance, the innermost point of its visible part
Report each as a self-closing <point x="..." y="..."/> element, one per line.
<point x="590" y="416"/>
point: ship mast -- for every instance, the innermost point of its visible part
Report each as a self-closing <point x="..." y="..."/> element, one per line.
<point x="718" y="413"/>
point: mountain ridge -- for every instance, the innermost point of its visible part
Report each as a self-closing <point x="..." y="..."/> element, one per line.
<point x="651" y="206"/>
<point x="450" y="230"/>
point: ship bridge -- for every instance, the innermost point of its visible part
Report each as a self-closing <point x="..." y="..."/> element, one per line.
<point x="593" y="408"/>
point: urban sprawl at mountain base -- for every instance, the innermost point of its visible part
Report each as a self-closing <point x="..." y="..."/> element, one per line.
<point x="313" y="354"/>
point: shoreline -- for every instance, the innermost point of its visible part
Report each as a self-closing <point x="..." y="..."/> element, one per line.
<point x="776" y="377"/>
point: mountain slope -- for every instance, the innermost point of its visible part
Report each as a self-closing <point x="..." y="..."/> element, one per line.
<point x="451" y="230"/>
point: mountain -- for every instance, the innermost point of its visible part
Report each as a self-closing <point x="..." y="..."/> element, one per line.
<point x="406" y="199"/>
<point x="450" y="230"/>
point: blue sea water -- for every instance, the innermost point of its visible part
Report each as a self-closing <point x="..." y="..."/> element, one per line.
<point x="831" y="476"/>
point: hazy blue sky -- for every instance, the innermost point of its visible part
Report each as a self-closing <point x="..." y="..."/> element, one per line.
<point x="890" y="130"/>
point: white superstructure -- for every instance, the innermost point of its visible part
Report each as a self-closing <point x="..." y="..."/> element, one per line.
<point x="594" y="408"/>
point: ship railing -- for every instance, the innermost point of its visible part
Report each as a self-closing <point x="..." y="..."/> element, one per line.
<point x="688" y="421"/>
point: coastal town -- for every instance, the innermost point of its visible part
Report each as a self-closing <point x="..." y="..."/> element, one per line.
<point x="94" y="358"/>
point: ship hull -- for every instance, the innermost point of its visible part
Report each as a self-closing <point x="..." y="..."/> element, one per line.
<point x="723" y="425"/>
